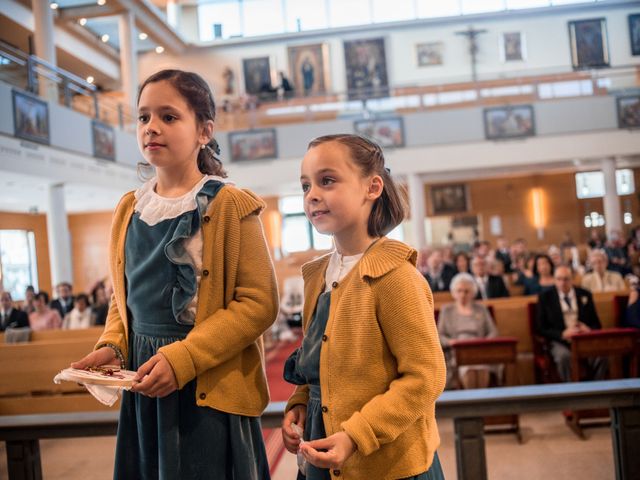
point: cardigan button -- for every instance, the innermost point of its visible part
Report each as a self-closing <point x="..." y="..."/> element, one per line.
<point x="334" y="284"/>
<point x="324" y="338"/>
<point x="324" y="409"/>
<point x="205" y="273"/>
<point x="336" y="473"/>
<point x="206" y="219"/>
<point x="203" y="396"/>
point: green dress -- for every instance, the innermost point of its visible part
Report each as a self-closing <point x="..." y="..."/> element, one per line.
<point x="173" y="438"/>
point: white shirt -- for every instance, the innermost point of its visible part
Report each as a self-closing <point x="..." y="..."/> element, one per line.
<point x="338" y="268"/>
<point x="570" y="314"/>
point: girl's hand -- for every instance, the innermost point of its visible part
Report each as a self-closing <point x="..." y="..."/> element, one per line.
<point x="339" y="447"/>
<point x="291" y="439"/>
<point x="156" y="378"/>
<point x="97" y="358"/>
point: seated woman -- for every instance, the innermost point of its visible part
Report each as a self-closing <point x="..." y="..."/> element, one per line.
<point x="632" y="317"/>
<point x="542" y="278"/>
<point x="80" y="316"/>
<point x="461" y="263"/>
<point x="465" y="319"/>
<point x="43" y="317"/>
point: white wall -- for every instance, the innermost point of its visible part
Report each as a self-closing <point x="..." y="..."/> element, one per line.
<point x="546" y="32"/>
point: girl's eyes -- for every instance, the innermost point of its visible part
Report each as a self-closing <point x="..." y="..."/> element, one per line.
<point x="143" y="118"/>
<point x="305" y="187"/>
<point x="327" y="181"/>
<point x="168" y="118"/>
<point x="324" y="182"/>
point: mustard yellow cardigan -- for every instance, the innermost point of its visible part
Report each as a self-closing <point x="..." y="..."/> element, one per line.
<point x="237" y="302"/>
<point x="381" y="364"/>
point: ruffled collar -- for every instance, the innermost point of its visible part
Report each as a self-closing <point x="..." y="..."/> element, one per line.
<point x="154" y="208"/>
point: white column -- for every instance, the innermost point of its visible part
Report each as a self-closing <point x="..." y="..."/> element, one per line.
<point x="58" y="235"/>
<point x="174" y="12"/>
<point x="45" y="45"/>
<point x="612" y="211"/>
<point x="416" y="206"/>
<point x="128" y="58"/>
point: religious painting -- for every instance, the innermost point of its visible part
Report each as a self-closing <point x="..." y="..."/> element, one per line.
<point x="253" y="145"/>
<point x="386" y="132"/>
<point x="104" y="141"/>
<point x="589" y="47"/>
<point x="366" y="66"/>
<point x="628" y="111"/>
<point x="447" y="199"/>
<point x="308" y="68"/>
<point x="634" y="33"/>
<point x="502" y="123"/>
<point x="30" y="118"/>
<point x="512" y="47"/>
<point x="429" y="54"/>
<point x="257" y="75"/>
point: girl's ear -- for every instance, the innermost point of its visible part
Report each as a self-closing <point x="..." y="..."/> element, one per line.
<point x="376" y="185"/>
<point x="206" y="133"/>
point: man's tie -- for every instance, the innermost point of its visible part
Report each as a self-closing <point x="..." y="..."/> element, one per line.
<point x="567" y="300"/>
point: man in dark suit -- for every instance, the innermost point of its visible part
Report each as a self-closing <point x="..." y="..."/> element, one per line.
<point x="11" y="317"/>
<point x="565" y="311"/>
<point x="64" y="303"/>
<point x="489" y="286"/>
<point x="439" y="273"/>
<point x="503" y="254"/>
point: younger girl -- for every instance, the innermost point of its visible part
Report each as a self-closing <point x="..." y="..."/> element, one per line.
<point x="371" y="367"/>
<point x="194" y="290"/>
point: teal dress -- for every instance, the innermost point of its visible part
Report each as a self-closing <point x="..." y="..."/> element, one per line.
<point x="303" y="368"/>
<point x="173" y="438"/>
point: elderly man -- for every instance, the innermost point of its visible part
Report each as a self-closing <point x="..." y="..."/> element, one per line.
<point x="64" y="303"/>
<point x="489" y="286"/>
<point x="439" y="273"/>
<point x="563" y="312"/>
<point x="11" y="317"/>
<point x="601" y="279"/>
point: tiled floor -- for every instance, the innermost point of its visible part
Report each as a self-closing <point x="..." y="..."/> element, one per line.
<point x="550" y="451"/>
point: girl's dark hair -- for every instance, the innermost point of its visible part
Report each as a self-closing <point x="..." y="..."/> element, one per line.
<point x="198" y="95"/>
<point x="84" y="297"/>
<point x="43" y="295"/>
<point x="389" y="208"/>
<point x="466" y="259"/>
<point x="535" y="264"/>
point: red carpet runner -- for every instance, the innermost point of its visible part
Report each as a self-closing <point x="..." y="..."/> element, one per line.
<point x="280" y="391"/>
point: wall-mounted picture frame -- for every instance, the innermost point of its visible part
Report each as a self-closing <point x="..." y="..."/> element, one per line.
<point x="257" y="75"/>
<point x="446" y="199"/>
<point x="104" y="140"/>
<point x="386" y="132"/>
<point x="30" y="118"/>
<point x="634" y="33"/>
<point x="256" y="144"/>
<point x="589" y="44"/>
<point x="512" y="121"/>
<point x="366" y="68"/>
<point x="628" y="111"/>
<point x="429" y="54"/>
<point x="512" y="46"/>
<point x="308" y="68"/>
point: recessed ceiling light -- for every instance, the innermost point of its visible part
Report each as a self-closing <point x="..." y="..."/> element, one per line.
<point x="159" y="49"/>
<point x="104" y="38"/>
<point x="90" y="79"/>
<point x="82" y="21"/>
<point x="142" y="36"/>
<point x="102" y="2"/>
<point x="54" y="6"/>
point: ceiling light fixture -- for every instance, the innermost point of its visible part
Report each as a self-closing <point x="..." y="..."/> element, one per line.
<point x="54" y="6"/>
<point x="142" y="36"/>
<point x="159" y="49"/>
<point x="82" y="21"/>
<point x="90" y="79"/>
<point x="104" y="38"/>
<point x="102" y="2"/>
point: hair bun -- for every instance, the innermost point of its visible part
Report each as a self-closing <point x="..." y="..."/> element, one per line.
<point x="213" y="145"/>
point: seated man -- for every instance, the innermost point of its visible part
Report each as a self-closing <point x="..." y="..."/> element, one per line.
<point x="563" y="312"/>
<point x="632" y="316"/>
<point x="601" y="279"/>
<point x="11" y="317"/>
<point x="489" y="286"/>
<point x="439" y="273"/>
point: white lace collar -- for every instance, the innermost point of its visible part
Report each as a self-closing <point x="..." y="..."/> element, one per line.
<point x="154" y="209"/>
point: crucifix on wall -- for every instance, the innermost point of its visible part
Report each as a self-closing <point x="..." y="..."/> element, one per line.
<point x="472" y="37"/>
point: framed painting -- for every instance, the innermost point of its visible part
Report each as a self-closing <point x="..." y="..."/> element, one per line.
<point x="447" y="199"/>
<point x="308" y="68"/>
<point x="628" y="111"/>
<point x="257" y="75"/>
<point x="104" y="141"/>
<point x="502" y="123"/>
<point x="429" y="54"/>
<point x="589" y="46"/>
<point x="386" y="132"/>
<point x="512" y="47"/>
<point x="253" y="145"/>
<point x="634" y="33"/>
<point x="30" y="118"/>
<point x="366" y="68"/>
